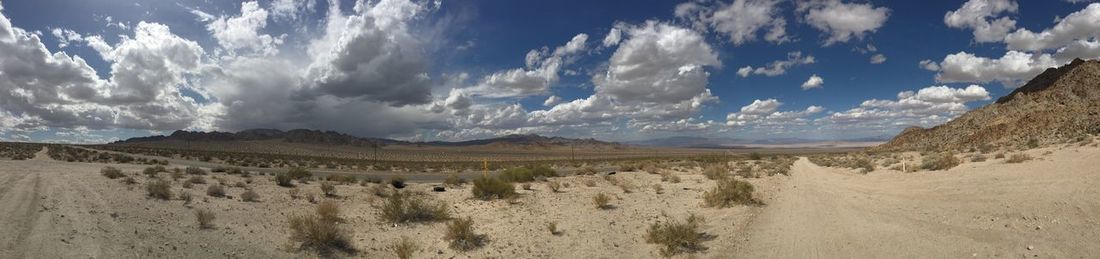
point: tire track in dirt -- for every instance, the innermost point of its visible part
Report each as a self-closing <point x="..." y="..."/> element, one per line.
<point x="20" y="203"/>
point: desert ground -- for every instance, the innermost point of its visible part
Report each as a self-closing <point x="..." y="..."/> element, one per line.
<point x="1045" y="207"/>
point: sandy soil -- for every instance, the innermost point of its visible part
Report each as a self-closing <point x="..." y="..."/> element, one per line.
<point x="1045" y="207"/>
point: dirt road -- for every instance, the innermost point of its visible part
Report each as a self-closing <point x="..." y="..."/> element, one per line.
<point x="990" y="209"/>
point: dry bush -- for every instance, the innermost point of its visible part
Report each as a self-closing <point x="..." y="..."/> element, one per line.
<point x="454" y="180"/>
<point x="626" y="185"/>
<point x="215" y="191"/>
<point x="196" y="180"/>
<point x="526" y="186"/>
<point x="404" y="248"/>
<point x="554" y="186"/>
<point x="602" y="201"/>
<point x="716" y="171"/>
<point x="151" y="172"/>
<point x="159" y="189"/>
<point x="321" y="232"/>
<point x="460" y="232"/>
<point x="380" y="190"/>
<point x="1018" y="158"/>
<point x="406" y="208"/>
<point x="677" y="237"/>
<point x="667" y="176"/>
<point x="205" y="218"/>
<point x="283" y="179"/>
<point x="177" y="174"/>
<point x="999" y="156"/>
<point x="195" y="170"/>
<point x="298" y="173"/>
<point x="527" y="174"/>
<point x="185" y="197"/>
<point x="552" y="226"/>
<point x="977" y="158"/>
<point x="587" y="170"/>
<point x="111" y="172"/>
<point x="328" y="189"/>
<point x="488" y="188"/>
<point x="658" y="189"/>
<point x="129" y="180"/>
<point x="294" y="193"/>
<point x="728" y="192"/>
<point x="942" y="161"/>
<point x="590" y="182"/>
<point x="398" y="182"/>
<point x="865" y="165"/>
<point x="250" y="196"/>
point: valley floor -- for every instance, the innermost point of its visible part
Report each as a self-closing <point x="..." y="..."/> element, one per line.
<point x="1046" y="207"/>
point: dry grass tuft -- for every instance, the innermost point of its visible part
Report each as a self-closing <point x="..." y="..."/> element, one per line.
<point x="602" y="201"/>
<point x="321" y="232"/>
<point x="554" y="186"/>
<point x="250" y="196"/>
<point x="728" y="192"/>
<point x="488" y="188"/>
<point x="111" y="172"/>
<point x="677" y="237"/>
<point x="404" y="248"/>
<point x="215" y="191"/>
<point x="328" y="189"/>
<point x="716" y="171"/>
<point x="159" y="189"/>
<point x="460" y="232"/>
<point x="942" y="161"/>
<point x="1018" y="158"/>
<point x="552" y="226"/>
<point x="205" y="218"/>
<point x="406" y="208"/>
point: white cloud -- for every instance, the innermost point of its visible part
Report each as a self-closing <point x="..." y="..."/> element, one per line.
<point x="613" y="37"/>
<point x="291" y="9"/>
<point x="814" y="82"/>
<point x="778" y="67"/>
<point x="1080" y="25"/>
<point x="766" y="114"/>
<point x="928" y="106"/>
<point x="981" y="16"/>
<point x="740" y="21"/>
<point x="243" y="32"/>
<point x="844" y="21"/>
<point x="1011" y="70"/>
<point x="551" y="101"/>
<point x="542" y="71"/>
<point x="659" y="63"/>
<point x="878" y="58"/>
<point x="929" y="65"/>
<point x="66" y="37"/>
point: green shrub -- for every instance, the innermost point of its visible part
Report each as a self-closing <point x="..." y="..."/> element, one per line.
<point x="152" y="171"/>
<point x="677" y="237"/>
<point x="460" y="232"/>
<point x="111" y="172"/>
<point x="406" y="208"/>
<point x="283" y="179"/>
<point x="517" y="175"/>
<point x="159" y="189"/>
<point x="728" y="192"/>
<point x="488" y="188"/>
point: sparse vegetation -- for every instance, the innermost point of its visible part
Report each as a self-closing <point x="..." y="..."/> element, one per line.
<point x="283" y="179"/>
<point x="602" y="201"/>
<point x="554" y="186"/>
<point x="321" y="232"/>
<point x="250" y="196"/>
<point x="716" y="171"/>
<point x="215" y="191"/>
<point x="191" y="170"/>
<point x="1018" y="158"/>
<point x="159" y="189"/>
<point x="328" y="189"/>
<point x="677" y="237"/>
<point x="729" y="192"/>
<point x="942" y="161"/>
<point x="488" y="188"/>
<point x="298" y="173"/>
<point x="205" y="218"/>
<point x="404" y="247"/>
<point x="454" y="180"/>
<point x="397" y="182"/>
<point x="460" y="232"/>
<point x="111" y="172"/>
<point x="552" y="226"/>
<point x="406" y="208"/>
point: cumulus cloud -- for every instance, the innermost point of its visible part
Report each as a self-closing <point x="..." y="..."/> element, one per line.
<point x="814" y="82"/>
<point x="844" y="21"/>
<point x="291" y="9"/>
<point x="928" y="106"/>
<point x="613" y="37"/>
<point x="929" y="65"/>
<point x="1077" y="26"/>
<point x="543" y="70"/>
<point x="766" y="114"/>
<point x="878" y="58"/>
<point x="1011" y="70"/>
<point x="740" y="21"/>
<point x="551" y="101"/>
<point x="659" y="63"/>
<point x="243" y="32"/>
<point x="982" y="17"/>
<point x="778" y="67"/>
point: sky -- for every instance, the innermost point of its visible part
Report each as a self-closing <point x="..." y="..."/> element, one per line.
<point x="98" y="71"/>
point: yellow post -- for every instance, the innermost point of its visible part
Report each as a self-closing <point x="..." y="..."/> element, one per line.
<point x="485" y="168"/>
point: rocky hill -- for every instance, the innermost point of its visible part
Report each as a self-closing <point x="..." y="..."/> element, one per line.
<point x="1060" y="103"/>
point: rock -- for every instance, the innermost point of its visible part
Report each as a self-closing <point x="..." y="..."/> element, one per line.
<point x="439" y="189"/>
<point x="1030" y="248"/>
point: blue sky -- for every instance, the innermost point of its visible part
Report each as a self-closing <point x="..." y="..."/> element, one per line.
<point x="95" y="71"/>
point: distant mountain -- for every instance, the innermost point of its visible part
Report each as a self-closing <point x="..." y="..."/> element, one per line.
<point x="336" y="138"/>
<point x="710" y="142"/>
<point x="1060" y="103"/>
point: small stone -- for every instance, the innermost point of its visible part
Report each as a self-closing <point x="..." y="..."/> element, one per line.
<point x="1030" y="248"/>
<point x="1038" y="227"/>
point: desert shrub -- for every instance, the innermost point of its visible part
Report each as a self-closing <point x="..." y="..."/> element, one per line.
<point x="240" y="185"/>
<point x="159" y="189"/>
<point x="942" y="161"/>
<point x="294" y="193"/>
<point x="380" y="191"/>
<point x="205" y="218"/>
<point x="587" y="170"/>
<point x="215" y="191"/>
<point x="552" y="226"/>
<point x="218" y="169"/>
<point x="488" y="188"/>
<point x="865" y="165"/>
<point x="728" y="192"/>
<point x="517" y="175"/>
<point x="977" y="158"/>
<point x="342" y="178"/>
<point x="177" y="174"/>
<point x="111" y="172"/>
<point x="1033" y="143"/>
<point x="406" y="208"/>
<point x="152" y="171"/>
<point x="677" y="237"/>
<point x="1018" y="158"/>
<point x="129" y="180"/>
<point x="404" y="248"/>
<point x="329" y="211"/>
<point x="755" y="156"/>
<point x="669" y="177"/>
<point x="986" y="148"/>
<point x="328" y="189"/>
<point x="319" y="232"/>
<point x="526" y="186"/>
<point x="196" y="180"/>
<point x="194" y="170"/>
<point x="250" y="196"/>
<point x="543" y="171"/>
<point x="658" y="189"/>
<point x="397" y="182"/>
<point x="602" y="201"/>
<point x="372" y="179"/>
<point x="554" y="186"/>
<point x="590" y="182"/>
<point x="716" y="171"/>
<point x="454" y="180"/>
<point x="460" y="232"/>
<point x="185" y="197"/>
<point x="999" y="156"/>
<point x="283" y="179"/>
<point x="298" y="173"/>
